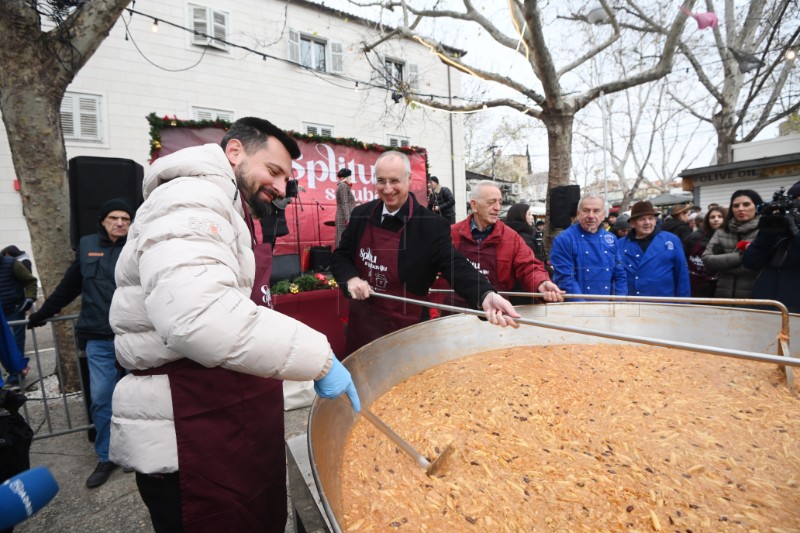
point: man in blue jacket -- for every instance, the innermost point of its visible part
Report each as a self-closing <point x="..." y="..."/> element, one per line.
<point x="653" y="258"/>
<point x="586" y="257"/>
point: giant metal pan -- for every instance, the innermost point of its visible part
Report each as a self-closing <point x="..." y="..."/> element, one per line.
<point x="380" y="365"/>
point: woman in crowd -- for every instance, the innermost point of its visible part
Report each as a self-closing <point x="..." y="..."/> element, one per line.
<point x="520" y="219"/>
<point x="725" y="248"/>
<point x="701" y="278"/>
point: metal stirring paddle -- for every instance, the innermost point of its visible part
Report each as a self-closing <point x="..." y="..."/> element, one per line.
<point x="431" y="467"/>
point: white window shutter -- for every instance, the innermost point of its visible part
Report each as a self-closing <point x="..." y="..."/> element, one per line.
<point x="89" y="118"/>
<point x="220" y="21"/>
<point x="393" y="142"/>
<point x="337" y="57"/>
<point x="202" y="114"/>
<point x="311" y="129"/>
<point x="326" y="132"/>
<point x="199" y="25"/>
<point x="294" y="46"/>
<point x="413" y="76"/>
<point x="67" y="118"/>
<point x="404" y="142"/>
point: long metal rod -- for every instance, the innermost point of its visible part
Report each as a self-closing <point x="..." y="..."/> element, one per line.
<point x="739" y="354"/>
<point x="784" y="311"/>
<point x="397" y="439"/>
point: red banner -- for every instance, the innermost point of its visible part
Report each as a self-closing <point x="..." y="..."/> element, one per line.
<point x="315" y="205"/>
<point x="315" y="171"/>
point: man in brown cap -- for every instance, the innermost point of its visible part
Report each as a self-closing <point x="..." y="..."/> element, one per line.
<point x="678" y="221"/>
<point x="653" y="259"/>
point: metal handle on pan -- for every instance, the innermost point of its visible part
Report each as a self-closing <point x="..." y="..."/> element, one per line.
<point x="739" y="354"/>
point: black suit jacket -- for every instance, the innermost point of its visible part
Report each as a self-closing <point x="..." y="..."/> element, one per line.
<point x="426" y="249"/>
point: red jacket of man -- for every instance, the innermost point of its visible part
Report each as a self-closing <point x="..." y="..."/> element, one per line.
<point x="515" y="259"/>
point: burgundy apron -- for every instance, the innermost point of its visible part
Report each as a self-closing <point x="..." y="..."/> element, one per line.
<point x="229" y="429"/>
<point x="484" y="259"/>
<point x="377" y="263"/>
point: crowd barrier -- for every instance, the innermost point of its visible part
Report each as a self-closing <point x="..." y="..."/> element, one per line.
<point x="50" y="411"/>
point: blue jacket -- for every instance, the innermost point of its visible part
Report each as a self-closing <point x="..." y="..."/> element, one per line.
<point x="588" y="263"/>
<point x="660" y="271"/>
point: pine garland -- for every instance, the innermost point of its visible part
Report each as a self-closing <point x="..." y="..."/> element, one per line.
<point x="159" y="123"/>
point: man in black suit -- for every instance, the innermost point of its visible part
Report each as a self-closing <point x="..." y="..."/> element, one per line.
<point x="395" y="246"/>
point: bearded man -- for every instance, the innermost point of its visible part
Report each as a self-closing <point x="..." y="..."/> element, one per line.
<point x="196" y="417"/>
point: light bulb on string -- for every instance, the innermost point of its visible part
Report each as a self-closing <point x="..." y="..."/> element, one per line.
<point x="154" y="29"/>
<point x="790" y="55"/>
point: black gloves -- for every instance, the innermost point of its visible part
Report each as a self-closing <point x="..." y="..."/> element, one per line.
<point x="27" y="304"/>
<point x="36" y="320"/>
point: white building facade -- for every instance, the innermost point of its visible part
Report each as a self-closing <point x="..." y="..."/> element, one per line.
<point x="297" y="64"/>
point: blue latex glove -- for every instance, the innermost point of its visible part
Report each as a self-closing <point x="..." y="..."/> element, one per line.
<point x="336" y="382"/>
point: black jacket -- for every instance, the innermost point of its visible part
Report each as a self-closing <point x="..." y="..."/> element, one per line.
<point x="777" y="256"/>
<point x="426" y="249"/>
<point x="446" y="202"/>
<point x="677" y="227"/>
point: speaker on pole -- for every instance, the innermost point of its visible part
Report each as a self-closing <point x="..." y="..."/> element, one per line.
<point x="563" y="205"/>
<point x="92" y="181"/>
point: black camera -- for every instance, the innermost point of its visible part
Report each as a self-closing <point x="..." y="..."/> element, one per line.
<point x="773" y="214"/>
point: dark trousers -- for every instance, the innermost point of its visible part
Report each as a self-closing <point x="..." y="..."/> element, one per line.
<point x="161" y="494"/>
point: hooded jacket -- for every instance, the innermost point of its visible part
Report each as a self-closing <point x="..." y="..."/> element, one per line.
<point x="183" y="285"/>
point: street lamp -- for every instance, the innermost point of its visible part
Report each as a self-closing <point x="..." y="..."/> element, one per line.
<point x="605" y="149"/>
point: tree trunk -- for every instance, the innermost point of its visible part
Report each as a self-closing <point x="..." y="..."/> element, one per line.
<point x="559" y="143"/>
<point x="37" y="67"/>
<point x="33" y="124"/>
<point x="726" y="134"/>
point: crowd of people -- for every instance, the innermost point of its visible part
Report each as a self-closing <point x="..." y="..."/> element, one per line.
<point x="180" y="341"/>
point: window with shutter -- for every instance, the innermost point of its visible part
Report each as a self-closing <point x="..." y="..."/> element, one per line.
<point x="337" y="57"/>
<point x="220" y="21"/>
<point x="294" y="46"/>
<point x="199" y="24"/>
<point x="81" y="117"/>
<point x="394" y="72"/>
<point x="396" y="141"/>
<point x="318" y="129"/>
<point x="210" y="26"/>
<point x="413" y="76"/>
<point x="207" y="113"/>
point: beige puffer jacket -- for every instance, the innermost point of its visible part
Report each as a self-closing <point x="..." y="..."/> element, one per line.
<point x="183" y="287"/>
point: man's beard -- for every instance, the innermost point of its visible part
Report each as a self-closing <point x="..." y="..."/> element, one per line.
<point x="258" y="207"/>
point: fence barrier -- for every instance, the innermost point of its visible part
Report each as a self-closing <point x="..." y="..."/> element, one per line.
<point x="50" y="411"/>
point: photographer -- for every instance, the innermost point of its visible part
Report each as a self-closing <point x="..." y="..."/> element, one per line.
<point x="776" y="250"/>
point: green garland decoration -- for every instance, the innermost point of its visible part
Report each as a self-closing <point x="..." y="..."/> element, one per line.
<point x="159" y="123"/>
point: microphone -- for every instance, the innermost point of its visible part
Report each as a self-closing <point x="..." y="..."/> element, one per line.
<point x="319" y="205"/>
<point x="24" y="494"/>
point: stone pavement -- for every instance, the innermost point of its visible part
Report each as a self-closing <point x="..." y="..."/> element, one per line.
<point x="113" y="507"/>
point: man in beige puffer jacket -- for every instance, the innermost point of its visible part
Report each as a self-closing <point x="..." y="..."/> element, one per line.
<point x="196" y="417"/>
